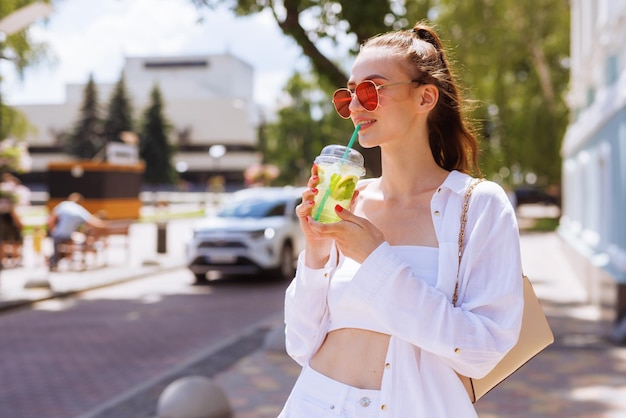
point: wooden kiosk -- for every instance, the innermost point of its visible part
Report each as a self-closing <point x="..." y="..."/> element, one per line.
<point x="111" y="190"/>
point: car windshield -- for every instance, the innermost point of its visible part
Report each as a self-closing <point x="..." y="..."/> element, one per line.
<point x="253" y="208"/>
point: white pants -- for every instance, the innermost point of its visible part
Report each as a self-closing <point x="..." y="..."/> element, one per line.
<point x="317" y="396"/>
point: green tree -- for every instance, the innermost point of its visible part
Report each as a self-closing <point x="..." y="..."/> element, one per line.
<point x="154" y="146"/>
<point x="293" y="141"/>
<point x="120" y="113"/>
<point x="85" y="141"/>
<point x="331" y="20"/>
<point x="509" y="54"/>
<point x="23" y="52"/>
<point x="14" y="124"/>
<point x="310" y="21"/>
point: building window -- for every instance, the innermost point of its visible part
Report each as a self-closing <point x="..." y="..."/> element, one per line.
<point x="176" y="64"/>
<point x="611" y="70"/>
<point x="591" y="95"/>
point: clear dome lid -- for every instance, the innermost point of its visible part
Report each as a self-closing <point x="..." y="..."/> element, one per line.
<point x="335" y="154"/>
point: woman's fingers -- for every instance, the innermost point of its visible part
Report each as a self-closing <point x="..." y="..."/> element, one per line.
<point x="307" y="201"/>
<point x="304" y="209"/>
<point x="313" y="181"/>
<point x="353" y="201"/>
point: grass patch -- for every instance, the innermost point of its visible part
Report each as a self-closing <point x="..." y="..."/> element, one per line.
<point x="544" y="225"/>
<point x="166" y="216"/>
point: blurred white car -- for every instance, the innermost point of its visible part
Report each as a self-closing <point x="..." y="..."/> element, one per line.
<point x="256" y="231"/>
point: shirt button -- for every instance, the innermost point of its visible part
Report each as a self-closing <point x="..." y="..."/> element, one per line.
<point x="387" y="365"/>
<point x="439" y="190"/>
<point x="457" y="350"/>
<point x="436" y="213"/>
<point x="365" y="402"/>
<point x="326" y="275"/>
<point x="383" y="407"/>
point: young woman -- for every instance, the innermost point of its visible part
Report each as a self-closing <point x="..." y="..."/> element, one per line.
<point x="370" y="313"/>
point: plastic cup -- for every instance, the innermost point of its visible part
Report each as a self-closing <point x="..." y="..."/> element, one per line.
<point x="339" y="169"/>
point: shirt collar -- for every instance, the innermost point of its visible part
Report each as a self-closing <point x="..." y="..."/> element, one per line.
<point x="457" y="182"/>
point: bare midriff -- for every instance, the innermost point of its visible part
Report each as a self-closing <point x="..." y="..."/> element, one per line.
<point x="353" y="356"/>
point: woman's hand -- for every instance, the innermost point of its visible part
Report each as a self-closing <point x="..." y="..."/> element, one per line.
<point x="317" y="247"/>
<point x="355" y="236"/>
<point x="305" y="209"/>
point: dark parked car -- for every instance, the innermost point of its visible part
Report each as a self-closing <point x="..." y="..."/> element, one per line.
<point x="532" y="194"/>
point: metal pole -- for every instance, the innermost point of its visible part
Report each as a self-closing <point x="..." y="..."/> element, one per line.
<point x="2" y="39"/>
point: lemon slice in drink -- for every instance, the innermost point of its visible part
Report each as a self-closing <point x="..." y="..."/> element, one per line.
<point x="344" y="188"/>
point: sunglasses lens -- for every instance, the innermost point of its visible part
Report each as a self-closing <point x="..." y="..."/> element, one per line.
<point x="367" y="93"/>
<point x="341" y="100"/>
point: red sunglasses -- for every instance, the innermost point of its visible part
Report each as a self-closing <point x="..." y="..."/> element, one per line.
<point x="366" y="93"/>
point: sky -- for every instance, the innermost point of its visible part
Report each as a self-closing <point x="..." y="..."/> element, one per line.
<point x="93" y="37"/>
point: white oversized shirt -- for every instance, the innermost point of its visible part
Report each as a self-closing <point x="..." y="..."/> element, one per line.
<point x="431" y="340"/>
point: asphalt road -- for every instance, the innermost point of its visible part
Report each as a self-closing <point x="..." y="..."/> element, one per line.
<point x="64" y="357"/>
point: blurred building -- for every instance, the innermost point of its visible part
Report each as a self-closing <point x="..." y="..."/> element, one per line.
<point x="208" y="100"/>
<point x="594" y="148"/>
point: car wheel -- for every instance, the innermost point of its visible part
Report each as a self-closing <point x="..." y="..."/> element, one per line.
<point x="201" y="279"/>
<point x="286" y="269"/>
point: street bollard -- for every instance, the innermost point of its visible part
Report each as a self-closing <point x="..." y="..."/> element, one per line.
<point x="193" y="397"/>
<point x="161" y="237"/>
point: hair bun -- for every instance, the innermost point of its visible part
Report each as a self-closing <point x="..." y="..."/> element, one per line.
<point x="427" y="36"/>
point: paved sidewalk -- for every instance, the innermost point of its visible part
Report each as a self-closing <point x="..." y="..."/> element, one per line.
<point x="581" y="375"/>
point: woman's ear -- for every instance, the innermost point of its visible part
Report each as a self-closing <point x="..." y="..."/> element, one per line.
<point x="429" y="97"/>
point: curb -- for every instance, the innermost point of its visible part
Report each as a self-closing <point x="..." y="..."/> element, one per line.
<point x="19" y="303"/>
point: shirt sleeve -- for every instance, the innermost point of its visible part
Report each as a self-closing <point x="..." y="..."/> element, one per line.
<point x="473" y="336"/>
<point x="83" y="213"/>
<point x="306" y="309"/>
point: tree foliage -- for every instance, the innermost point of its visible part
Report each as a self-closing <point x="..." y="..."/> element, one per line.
<point x="508" y="53"/>
<point x="85" y="140"/>
<point x="511" y="56"/>
<point x="23" y="52"/>
<point x="14" y="124"/>
<point x="120" y="113"/>
<point x="310" y="21"/>
<point x="293" y="142"/>
<point x="154" y="147"/>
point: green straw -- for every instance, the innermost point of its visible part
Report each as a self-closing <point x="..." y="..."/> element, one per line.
<point x="345" y="156"/>
<point x="351" y="143"/>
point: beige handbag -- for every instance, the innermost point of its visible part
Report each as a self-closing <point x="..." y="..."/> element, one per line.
<point x="535" y="334"/>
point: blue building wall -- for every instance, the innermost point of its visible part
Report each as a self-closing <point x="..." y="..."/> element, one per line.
<point x="594" y="207"/>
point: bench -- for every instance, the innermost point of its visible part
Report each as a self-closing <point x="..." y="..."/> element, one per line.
<point x="88" y="248"/>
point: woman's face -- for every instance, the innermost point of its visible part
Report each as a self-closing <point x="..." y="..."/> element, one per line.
<point x="396" y="113"/>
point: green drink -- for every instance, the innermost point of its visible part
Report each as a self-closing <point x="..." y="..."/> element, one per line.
<point x="339" y="169"/>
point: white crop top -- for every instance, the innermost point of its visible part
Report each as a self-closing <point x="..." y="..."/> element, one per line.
<point x="422" y="260"/>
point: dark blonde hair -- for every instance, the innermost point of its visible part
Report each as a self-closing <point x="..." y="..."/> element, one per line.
<point x="451" y="138"/>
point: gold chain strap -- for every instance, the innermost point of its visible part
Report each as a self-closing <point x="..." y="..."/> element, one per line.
<point x="464" y="210"/>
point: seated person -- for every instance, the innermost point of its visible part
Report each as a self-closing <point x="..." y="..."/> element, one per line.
<point x="66" y="218"/>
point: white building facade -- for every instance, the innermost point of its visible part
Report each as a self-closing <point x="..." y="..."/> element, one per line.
<point x="593" y="220"/>
<point x="208" y="100"/>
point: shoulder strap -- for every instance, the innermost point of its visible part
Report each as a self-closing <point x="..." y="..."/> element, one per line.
<point x="466" y="200"/>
